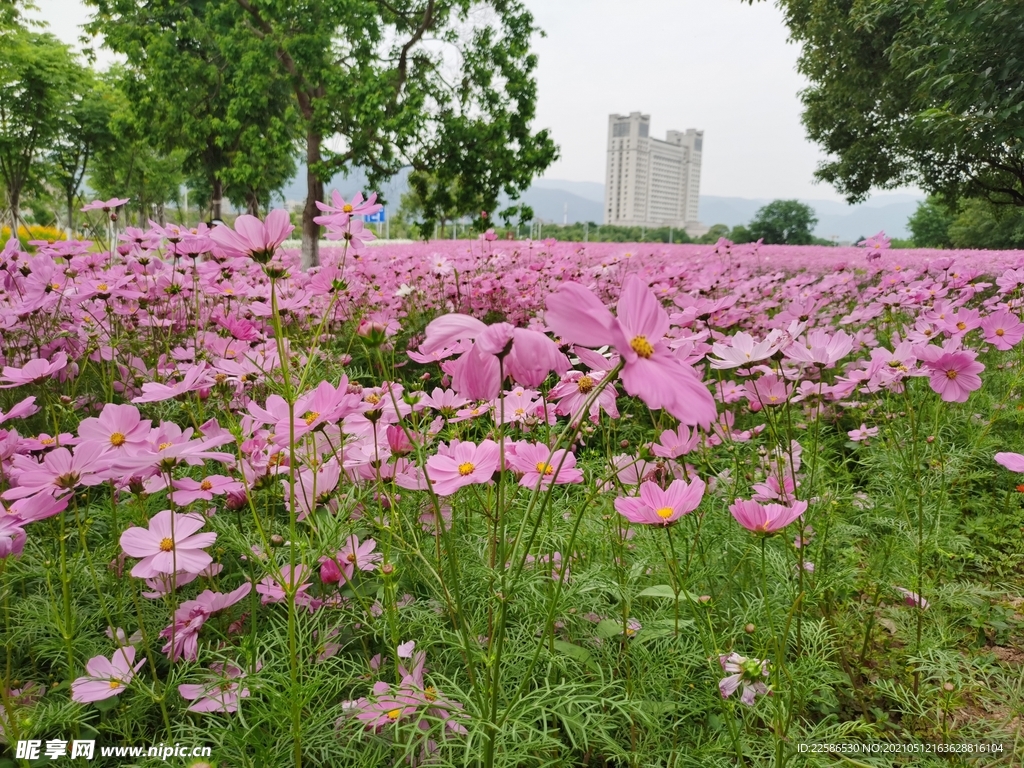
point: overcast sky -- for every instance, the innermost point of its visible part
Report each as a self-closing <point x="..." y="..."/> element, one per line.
<point x="718" y="65"/>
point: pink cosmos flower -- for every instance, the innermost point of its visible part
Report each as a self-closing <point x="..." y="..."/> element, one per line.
<point x="253" y="238"/>
<point x="821" y="348"/>
<point x="772" y="490"/>
<point x="954" y="375"/>
<point x="1003" y="329"/>
<point x="169" y="544"/>
<point x="313" y="488"/>
<point x="674" y="443"/>
<point x="574" y="390"/>
<point x="219" y="694"/>
<point x="765" y="518"/>
<point x="106" y="677"/>
<point x="339" y="213"/>
<point x="105" y="205"/>
<point x="466" y="464"/>
<point x="750" y="673"/>
<point x="196" y="378"/>
<point x="189" y="617"/>
<point x="652" y="371"/>
<point x="37" y="507"/>
<point x="340" y="568"/>
<point x="742" y="351"/>
<point x="59" y="471"/>
<point x="655" y="506"/>
<point x="445" y="401"/>
<point x="12" y="536"/>
<point x="528" y="356"/>
<point x="875" y="243"/>
<point x="325" y="405"/>
<point x="1012" y="461"/>
<point x="33" y="371"/>
<point x="856" y="435"/>
<point x="187" y="490"/>
<point x="540" y="466"/>
<point x="26" y="407"/>
<point x="272" y="589"/>
<point x="767" y="391"/>
<point x="913" y="599"/>
<point x="118" y="427"/>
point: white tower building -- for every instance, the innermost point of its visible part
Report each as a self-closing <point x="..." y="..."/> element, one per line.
<point x="650" y="182"/>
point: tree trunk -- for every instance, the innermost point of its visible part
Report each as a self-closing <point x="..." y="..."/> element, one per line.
<point x="252" y="204"/>
<point x="218" y="190"/>
<point x="314" y="192"/>
<point x="71" y="216"/>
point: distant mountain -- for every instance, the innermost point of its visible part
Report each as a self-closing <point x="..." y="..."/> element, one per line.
<point x="588" y="190"/>
<point x="555" y="201"/>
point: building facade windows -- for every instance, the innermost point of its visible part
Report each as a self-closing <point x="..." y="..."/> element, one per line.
<point x="664" y="186"/>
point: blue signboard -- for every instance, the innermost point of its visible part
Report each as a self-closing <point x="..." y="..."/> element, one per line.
<point x="378" y="217"/>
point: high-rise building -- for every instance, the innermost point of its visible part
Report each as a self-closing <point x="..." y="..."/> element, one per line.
<point x="650" y="182"/>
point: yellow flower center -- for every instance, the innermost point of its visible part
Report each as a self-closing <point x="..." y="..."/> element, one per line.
<point x="205" y="485"/>
<point x="394" y="714"/>
<point x="545" y="468"/>
<point x="373" y="399"/>
<point x="115" y="683"/>
<point x="585" y="384"/>
<point x="430" y="693"/>
<point x="55" y="286"/>
<point x="117" y="439"/>
<point x="166" y="545"/>
<point x="961" y="325"/>
<point x="102" y="287"/>
<point x="351" y="557"/>
<point x="466" y="468"/>
<point x="162" y="446"/>
<point x="642" y="347"/>
<point x="47" y="441"/>
<point x="311" y="416"/>
<point x="1000" y="332"/>
<point x="665" y="513"/>
<point x="950" y="375"/>
<point x="347" y="208"/>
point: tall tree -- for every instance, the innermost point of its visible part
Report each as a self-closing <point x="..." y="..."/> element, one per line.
<point x="783" y="222"/>
<point x="444" y="86"/>
<point x="38" y="74"/>
<point x="207" y="92"/>
<point x="130" y="165"/>
<point x="82" y="129"/>
<point x="911" y="92"/>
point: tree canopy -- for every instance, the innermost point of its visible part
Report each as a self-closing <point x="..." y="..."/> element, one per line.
<point x="908" y="92"/>
<point x="38" y="79"/>
<point x="786" y="222"/>
<point x="443" y="86"/>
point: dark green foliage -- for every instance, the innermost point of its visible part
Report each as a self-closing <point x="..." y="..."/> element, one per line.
<point x="930" y="224"/>
<point x="907" y="92"/>
<point x="783" y="222"/>
<point x="39" y="82"/>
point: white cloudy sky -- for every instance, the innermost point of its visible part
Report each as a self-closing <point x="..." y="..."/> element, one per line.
<point x="717" y="65"/>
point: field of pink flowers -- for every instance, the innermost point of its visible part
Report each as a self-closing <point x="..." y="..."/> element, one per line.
<point x="509" y="503"/>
